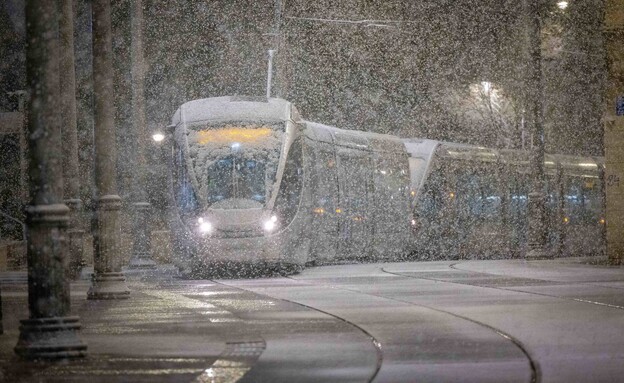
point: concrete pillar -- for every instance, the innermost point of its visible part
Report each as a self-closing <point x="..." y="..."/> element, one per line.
<point x="537" y="198"/>
<point x="141" y="250"/>
<point x="108" y="280"/>
<point x="71" y="180"/>
<point x="614" y="130"/>
<point x="49" y="332"/>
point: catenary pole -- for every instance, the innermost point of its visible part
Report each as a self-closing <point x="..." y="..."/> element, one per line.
<point x="536" y="247"/>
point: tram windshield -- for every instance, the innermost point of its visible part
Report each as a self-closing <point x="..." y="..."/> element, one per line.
<point x="235" y="163"/>
<point x="236" y="178"/>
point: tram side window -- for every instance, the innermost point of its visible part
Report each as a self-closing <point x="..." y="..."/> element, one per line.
<point x="468" y="194"/>
<point x="593" y="199"/>
<point x="431" y="200"/>
<point x="326" y="186"/>
<point x="518" y="190"/>
<point x="478" y="196"/>
<point x="552" y="202"/>
<point x="490" y="194"/>
<point x="287" y="201"/>
<point x="582" y="200"/>
<point x="574" y="200"/>
<point x="391" y="183"/>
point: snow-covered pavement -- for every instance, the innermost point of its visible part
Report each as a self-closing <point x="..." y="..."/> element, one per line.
<point x="461" y="321"/>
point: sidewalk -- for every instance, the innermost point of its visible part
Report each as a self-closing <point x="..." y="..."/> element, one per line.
<point x="158" y="334"/>
<point x="173" y="330"/>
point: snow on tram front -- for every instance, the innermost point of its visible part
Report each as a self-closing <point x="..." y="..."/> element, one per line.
<point x="237" y="179"/>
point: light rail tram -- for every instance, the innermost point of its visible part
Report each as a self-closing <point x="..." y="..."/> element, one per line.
<point x="258" y="188"/>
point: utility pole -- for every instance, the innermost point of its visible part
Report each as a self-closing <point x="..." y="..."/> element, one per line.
<point x="141" y="250"/>
<point x="269" y="73"/>
<point x="108" y="280"/>
<point x="537" y="199"/>
<point x="49" y="332"/>
<point x="70" y="137"/>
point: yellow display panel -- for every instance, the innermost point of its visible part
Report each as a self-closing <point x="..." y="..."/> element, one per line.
<point x="230" y="134"/>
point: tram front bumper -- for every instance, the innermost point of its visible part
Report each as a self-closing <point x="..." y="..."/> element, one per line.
<point x="248" y="250"/>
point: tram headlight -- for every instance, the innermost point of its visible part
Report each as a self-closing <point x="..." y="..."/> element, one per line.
<point x="204" y="227"/>
<point x="271" y="223"/>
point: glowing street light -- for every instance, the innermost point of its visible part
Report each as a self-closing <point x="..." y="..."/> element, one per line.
<point x="562" y="4"/>
<point x="486" y="86"/>
<point x="158" y="137"/>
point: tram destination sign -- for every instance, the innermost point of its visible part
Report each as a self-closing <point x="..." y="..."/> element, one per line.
<point x="619" y="105"/>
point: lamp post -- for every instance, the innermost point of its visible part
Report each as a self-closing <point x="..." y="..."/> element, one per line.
<point x="536" y="201"/>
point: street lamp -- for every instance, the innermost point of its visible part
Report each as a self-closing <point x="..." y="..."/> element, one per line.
<point x="486" y="86"/>
<point x="158" y="137"/>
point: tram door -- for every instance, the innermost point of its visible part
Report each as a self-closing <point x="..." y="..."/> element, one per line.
<point x="391" y="223"/>
<point x="324" y="184"/>
<point x="355" y="198"/>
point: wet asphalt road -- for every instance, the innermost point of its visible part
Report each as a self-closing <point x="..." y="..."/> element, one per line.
<point x="468" y="321"/>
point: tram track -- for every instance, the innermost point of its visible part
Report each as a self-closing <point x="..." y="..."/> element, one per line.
<point x="453" y="266"/>
<point x="588" y="283"/>
<point x="375" y="342"/>
<point x="533" y="364"/>
<point x="580" y="300"/>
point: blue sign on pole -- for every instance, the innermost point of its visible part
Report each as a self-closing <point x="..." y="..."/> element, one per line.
<point x="619" y="105"/>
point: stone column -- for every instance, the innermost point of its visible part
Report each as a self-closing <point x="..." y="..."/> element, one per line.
<point x="141" y="251"/>
<point x="537" y="199"/>
<point x="70" y="137"/>
<point x="614" y="130"/>
<point x="108" y="280"/>
<point x="49" y="332"/>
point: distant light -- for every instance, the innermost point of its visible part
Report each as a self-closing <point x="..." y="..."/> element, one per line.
<point x="562" y="4"/>
<point x="413" y="222"/>
<point x="273" y="218"/>
<point x="452" y="195"/>
<point x="413" y="193"/>
<point x="269" y="225"/>
<point x="602" y="221"/>
<point x="158" y="137"/>
<point x="200" y="220"/>
<point x="486" y="86"/>
<point x="235" y="146"/>
<point x="338" y="210"/>
<point x="205" y="227"/>
<point x="588" y="165"/>
<point x="566" y="219"/>
<point x="319" y="210"/>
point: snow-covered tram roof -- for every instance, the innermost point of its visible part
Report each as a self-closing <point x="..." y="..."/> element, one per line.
<point x="352" y="138"/>
<point x="575" y="165"/>
<point x="235" y="108"/>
